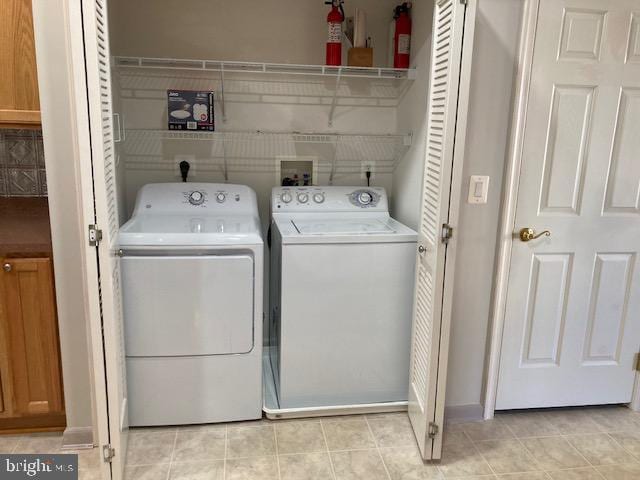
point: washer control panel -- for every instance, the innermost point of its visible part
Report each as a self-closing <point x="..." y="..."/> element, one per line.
<point x="364" y="198"/>
<point x="328" y="199"/>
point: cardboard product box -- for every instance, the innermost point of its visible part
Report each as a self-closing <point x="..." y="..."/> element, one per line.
<point x="190" y="110"/>
<point x="360" y="57"/>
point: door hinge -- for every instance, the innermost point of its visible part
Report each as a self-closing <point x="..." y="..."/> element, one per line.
<point x="447" y="233"/>
<point x="464" y="2"/>
<point x="108" y="452"/>
<point x="433" y="430"/>
<point x="95" y="235"/>
<point x="638" y="362"/>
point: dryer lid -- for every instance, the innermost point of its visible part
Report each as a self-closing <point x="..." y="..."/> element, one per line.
<point x="183" y="230"/>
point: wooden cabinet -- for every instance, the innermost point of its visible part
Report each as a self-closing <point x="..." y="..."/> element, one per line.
<point x="19" y="101"/>
<point x="31" y="380"/>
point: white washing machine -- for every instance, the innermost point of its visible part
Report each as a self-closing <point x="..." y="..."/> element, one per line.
<point x="342" y="277"/>
<point x="192" y="261"/>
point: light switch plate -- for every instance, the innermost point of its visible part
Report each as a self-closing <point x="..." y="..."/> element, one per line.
<point x="478" y="189"/>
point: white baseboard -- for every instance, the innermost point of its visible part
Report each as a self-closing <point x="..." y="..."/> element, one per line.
<point x="77" y="438"/>
<point x="463" y="413"/>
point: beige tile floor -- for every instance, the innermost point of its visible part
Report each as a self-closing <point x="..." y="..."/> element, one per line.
<point x="575" y="444"/>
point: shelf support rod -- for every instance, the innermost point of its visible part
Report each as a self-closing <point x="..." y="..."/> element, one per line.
<point x="225" y="171"/>
<point x="222" y="105"/>
<point x="334" y="101"/>
<point x="334" y="160"/>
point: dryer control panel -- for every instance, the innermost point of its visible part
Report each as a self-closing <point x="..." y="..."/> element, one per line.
<point x="168" y="198"/>
<point x="329" y="199"/>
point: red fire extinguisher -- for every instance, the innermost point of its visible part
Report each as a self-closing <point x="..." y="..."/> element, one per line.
<point x="334" y="38"/>
<point x="402" y="36"/>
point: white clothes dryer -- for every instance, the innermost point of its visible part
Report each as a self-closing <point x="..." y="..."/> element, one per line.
<point x="192" y="260"/>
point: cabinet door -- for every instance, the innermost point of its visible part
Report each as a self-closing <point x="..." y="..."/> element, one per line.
<point x="19" y="102"/>
<point x="32" y="336"/>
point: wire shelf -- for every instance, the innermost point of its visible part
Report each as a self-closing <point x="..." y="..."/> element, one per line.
<point x="322" y="85"/>
<point x="263" y="68"/>
<point x="257" y="150"/>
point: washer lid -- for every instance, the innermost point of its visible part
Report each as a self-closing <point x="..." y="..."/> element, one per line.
<point x="342" y="226"/>
<point x="319" y="229"/>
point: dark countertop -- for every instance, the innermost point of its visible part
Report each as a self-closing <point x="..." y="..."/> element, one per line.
<point x="24" y="226"/>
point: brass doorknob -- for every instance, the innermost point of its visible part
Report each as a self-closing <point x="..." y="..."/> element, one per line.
<point x="7" y="267"/>
<point x="527" y="234"/>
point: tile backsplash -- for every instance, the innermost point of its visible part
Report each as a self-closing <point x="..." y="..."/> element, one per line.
<point x="22" y="172"/>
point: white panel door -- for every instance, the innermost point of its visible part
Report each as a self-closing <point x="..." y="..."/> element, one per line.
<point x="572" y="324"/>
<point x="430" y="323"/>
<point x="106" y="205"/>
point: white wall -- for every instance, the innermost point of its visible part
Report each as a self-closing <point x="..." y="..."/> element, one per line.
<point x="283" y="31"/>
<point x="493" y="73"/>
<point x="67" y="229"/>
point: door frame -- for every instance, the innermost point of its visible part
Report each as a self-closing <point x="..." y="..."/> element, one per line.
<point x="84" y="180"/>
<point x="506" y="237"/>
<point x="73" y="93"/>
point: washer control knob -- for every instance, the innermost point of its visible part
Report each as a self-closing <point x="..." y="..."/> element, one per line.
<point x="303" y="197"/>
<point x="220" y="197"/>
<point x="196" y="198"/>
<point x="365" y="198"/>
<point x="286" y="197"/>
<point x="318" y="197"/>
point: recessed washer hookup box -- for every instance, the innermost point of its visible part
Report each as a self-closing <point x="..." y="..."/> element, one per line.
<point x="190" y="110"/>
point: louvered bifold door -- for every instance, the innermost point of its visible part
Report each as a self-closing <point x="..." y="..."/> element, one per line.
<point x="106" y="204"/>
<point x="428" y="321"/>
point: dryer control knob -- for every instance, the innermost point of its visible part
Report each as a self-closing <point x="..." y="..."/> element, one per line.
<point x="220" y="197"/>
<point x="318" y="197"/>
<point x="303" y="197"/>
<point x="286" y="197"/>
<point x="365" y="198"/>
<point x="196" y="198"/>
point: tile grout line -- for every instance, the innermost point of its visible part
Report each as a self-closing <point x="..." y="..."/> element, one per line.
<point x="224" y="460"/>
<point x="477" y="450"/>
<point x="565" y="437"/>
<point x="275" y="442"/>
<point x="294" y="454"/>
<point x="484" y="459"/>
<point x="173" y="450"/>
<point x="594" y="466"/>
<point x="529" y="452"/>
<point x="583" y="456"/>
<point x="627" y="451"/>
<point x="375" y="442"/>
<point x="326" y="444"/>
